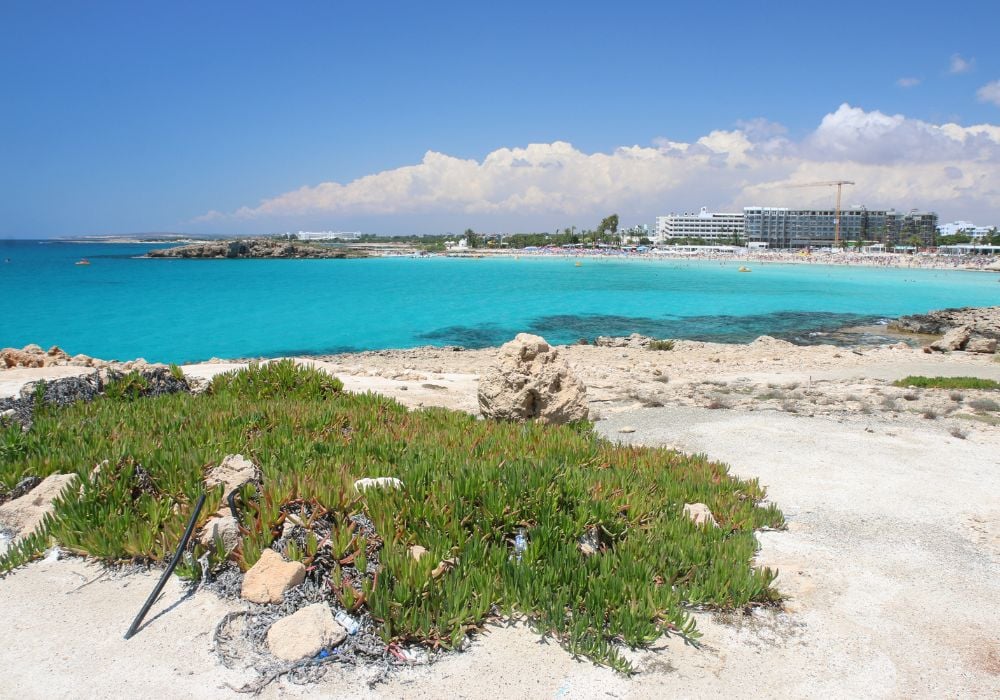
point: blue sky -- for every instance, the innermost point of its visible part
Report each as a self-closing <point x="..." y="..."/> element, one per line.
<point x="250" y="117"/>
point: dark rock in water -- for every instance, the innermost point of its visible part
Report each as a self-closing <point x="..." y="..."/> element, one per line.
<point x="983" y="322"/>
<point x="255" y="248"/>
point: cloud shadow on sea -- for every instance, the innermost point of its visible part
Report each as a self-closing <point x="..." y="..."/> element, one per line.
<point x="800" y="327"/>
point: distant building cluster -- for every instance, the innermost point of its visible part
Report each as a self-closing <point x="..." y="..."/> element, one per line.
<point x="783" y="227"/>
<point x="326" y="235"/>
<point x="965" y="228"/>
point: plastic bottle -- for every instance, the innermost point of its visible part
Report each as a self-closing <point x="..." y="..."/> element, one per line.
<point x="520" y="543"/>
<point x="347" y="622"/>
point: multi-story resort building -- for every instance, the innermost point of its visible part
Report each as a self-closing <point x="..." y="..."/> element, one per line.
<point x="781" y="227"/>
<point x="965" y="227"/>
<point x="706" y="225"/>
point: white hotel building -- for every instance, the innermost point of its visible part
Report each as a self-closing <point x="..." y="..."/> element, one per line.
<point x="710" y="226"/>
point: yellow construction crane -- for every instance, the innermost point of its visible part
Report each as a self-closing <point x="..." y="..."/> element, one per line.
<point x="836" y="217"/>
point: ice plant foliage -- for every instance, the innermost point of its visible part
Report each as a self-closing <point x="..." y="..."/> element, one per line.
<point x="470" y="486"/>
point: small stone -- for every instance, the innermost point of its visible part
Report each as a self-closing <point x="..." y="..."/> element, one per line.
<point x="305" y="633"/>
<point x="416" y="551"/>
<point x="382" y="482"/>
<point x="590" y="542"/>
<point x="626" y="429"/>
<point x="232" y="471"/>
<point x="270" y="577"/>
<point x="224" y="526"/>
<point x="700" y="514"/>
<point x="443" y="567"/>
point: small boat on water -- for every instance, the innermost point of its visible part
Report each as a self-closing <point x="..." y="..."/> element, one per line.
<point x="743" y="268"/>
<point x="82" y="261"/>
<point x="579" y="264"/>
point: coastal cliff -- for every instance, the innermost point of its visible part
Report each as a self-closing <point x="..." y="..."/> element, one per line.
<point x="254" y="248"/>
<point x="982" y="321"/>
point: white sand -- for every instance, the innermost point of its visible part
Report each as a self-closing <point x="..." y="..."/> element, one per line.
<point x="891" y="559"/>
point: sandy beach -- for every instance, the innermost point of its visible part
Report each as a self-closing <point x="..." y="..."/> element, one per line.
<point x="890" y="563"/>
<point x="921" y="260"/>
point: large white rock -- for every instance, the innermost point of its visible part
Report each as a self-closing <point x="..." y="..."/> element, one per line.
<point x="531" y="382"/>
<point x="270" y="577"/>
<point x="304" y="633"/>
<point x="955" y="339"/>
<point x="986" y="345"/>
<point x="22" y="515"/>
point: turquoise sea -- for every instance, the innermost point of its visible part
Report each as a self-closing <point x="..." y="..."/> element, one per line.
<point x="122" y="306"/>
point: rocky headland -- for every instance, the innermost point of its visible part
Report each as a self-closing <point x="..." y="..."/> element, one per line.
<point x="973" y="329"/>
<point x="983" y="321"/>
<point x="255" y="248"/>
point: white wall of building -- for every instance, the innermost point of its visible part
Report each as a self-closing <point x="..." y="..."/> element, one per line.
<point x="710" y="226"/>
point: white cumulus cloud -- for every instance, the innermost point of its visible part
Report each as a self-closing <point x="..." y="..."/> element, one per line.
<point x="896" y="161"/>
<point x="990" y="92"/>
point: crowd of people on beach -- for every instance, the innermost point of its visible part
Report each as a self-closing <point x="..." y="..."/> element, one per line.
<point x="925" y="260"/>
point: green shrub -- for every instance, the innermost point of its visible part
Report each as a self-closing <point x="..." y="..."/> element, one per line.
<point x="660" y="345"/>
<point x="947" y="383"/>
<point x="277" y="379"/>
<point x="127" y="387"/>
<point x="13" y="444"/>
<point x="470" y="485"/>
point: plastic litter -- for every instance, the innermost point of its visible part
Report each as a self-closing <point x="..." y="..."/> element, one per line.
<point x="347" y="622"/>
<point x="520" y="544"/>
<point x="414" y="656"/>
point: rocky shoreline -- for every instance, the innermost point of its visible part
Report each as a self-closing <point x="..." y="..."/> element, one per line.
<point x="982" y="321"/>
<point x="255" y="248"/>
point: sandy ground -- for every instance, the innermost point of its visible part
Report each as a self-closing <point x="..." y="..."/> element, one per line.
<point x="891" y="560"/>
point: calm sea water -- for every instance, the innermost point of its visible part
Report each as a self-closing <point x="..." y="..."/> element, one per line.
<point x="123" y="307"/>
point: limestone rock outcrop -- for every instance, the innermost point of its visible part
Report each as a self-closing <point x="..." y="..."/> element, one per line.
<point x="955" y="339"/>
<point x="984" y="345"/>
<point x="255" y="248"/>
<point x="634" y="340"/>
<point x="531" y="382"/>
